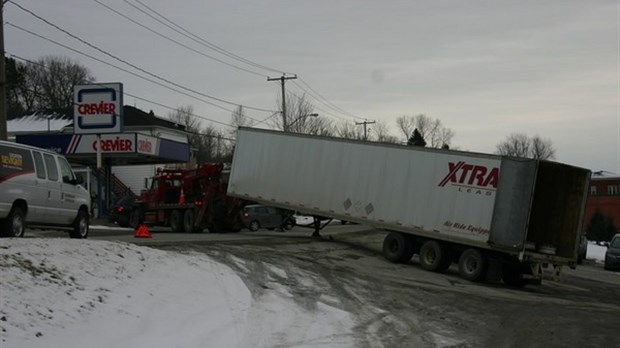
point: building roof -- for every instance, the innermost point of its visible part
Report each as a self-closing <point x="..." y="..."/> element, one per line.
<point x="603" y="174"/>
<point x="56" y="120"/>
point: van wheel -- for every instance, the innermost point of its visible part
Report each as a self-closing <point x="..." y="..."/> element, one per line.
<point x="15" y="223"/>
<point x="80" y="226"/>
<point x="473" y="265"/>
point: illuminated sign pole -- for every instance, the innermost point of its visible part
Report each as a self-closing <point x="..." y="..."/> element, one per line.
<point x="98" y="109"/>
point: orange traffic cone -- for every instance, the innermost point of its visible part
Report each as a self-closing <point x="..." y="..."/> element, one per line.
<point x="182" y="197"/>
<point x="143" y="232"/>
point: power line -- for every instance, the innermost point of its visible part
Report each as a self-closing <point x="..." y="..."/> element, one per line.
<point x="133" y="65"/>
<point x="175" y="41"/>
<point x="142" y="98"/>
<point x="124" y="92"/>
<point x="117" y="67"/>
<point x="199" y="39"/>
<point x="325" y="101"/>
<point x="313" y="94"/>
<point x="182" y="31"/>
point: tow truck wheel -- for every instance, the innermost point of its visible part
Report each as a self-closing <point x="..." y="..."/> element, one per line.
<point x="176" y="221"/>
<point x="473" y="265"/>
<point x="188" y="222"/>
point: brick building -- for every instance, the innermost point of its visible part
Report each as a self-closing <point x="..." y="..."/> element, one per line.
<point x="604" y="195"/>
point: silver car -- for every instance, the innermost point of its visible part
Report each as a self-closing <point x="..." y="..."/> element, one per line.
<point x="256" y="216"/>
<point x="612" y="256"/>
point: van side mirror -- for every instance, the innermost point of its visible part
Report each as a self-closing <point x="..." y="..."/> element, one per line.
<point x="77" y="181"/>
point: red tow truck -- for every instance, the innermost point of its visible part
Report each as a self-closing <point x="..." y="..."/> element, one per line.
<point x="188" y="200"/>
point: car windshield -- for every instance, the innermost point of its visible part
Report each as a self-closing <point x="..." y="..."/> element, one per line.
<point x="615" y="243"/>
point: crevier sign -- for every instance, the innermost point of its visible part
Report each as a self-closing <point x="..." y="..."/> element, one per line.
<point x="98" y="108"/>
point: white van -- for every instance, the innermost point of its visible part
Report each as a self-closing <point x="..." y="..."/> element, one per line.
<point x="39" y="189"/>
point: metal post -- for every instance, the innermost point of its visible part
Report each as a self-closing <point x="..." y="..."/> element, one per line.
<point x="282" y="79"/>
<point x="3" y="108"/>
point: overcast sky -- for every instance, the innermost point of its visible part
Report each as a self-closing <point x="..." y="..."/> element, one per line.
<point x="484" y="68"/>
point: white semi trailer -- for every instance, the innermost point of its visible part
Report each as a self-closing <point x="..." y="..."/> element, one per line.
<point x="494" y="216"/>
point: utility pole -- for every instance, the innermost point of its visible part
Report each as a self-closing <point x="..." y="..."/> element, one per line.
<point x="3" y="116"/>
<point x="365" y="123"/>
<point x="282" y="79"/>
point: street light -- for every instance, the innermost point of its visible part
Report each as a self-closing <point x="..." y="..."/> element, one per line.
<point x="300" y="117"/>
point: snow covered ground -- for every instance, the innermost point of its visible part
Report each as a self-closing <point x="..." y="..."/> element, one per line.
<point x="596" y="252"/>
<point x="89" y="293"/>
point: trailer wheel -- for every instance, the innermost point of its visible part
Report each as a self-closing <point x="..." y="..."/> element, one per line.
<point x="512" y="275"/>
<point x="397" y="247"/>
<point x="80" y="226"/>
<point x="434" y="256"/>
<point x="473" y="265"/>
<point x="254" y="226"/>
<point x="15" y="223"/>
<point x="176" y="221"/>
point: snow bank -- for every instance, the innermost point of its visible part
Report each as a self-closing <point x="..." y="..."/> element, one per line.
<point x="88" y="293"/>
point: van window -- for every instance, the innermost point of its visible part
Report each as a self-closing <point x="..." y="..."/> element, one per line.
<point x="65" y="170"/>
<point x="52" y="169"/>
<point x="40" y="167"/>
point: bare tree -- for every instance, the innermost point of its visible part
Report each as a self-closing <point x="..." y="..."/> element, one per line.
<point x="380" y="132"/>
<point x="406" y="124"/>
<point x="48" y="84"/>
<point x="542" y="148"/>
<point x="348" y="130"/>
<point x="299" y="117"/>
<point x="184" y="116"/>
<point x="432" y="130"/>
<point x="520" y="145"/>
<point x="517" y="145"/>
<point x="238" y="119"/>
<point x="14" y="86"/>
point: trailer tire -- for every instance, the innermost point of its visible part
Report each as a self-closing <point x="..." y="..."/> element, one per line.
<point x="397" y="247"/>
<point x="512" y="275"/>
<point x="473" y="265"/>
<point x="176" y="221"/>
<point x="434" y="256"/>
<point x="15" y="223"/>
